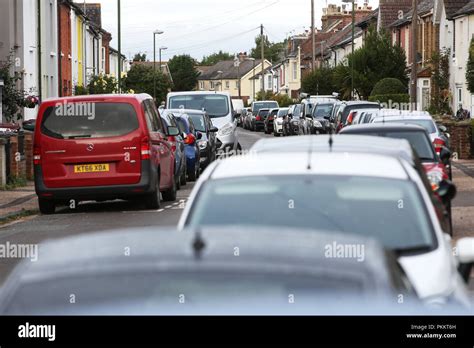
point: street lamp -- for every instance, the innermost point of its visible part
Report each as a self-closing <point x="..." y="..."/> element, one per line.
<point x="253" y="79"/>
<point x="162" y="48"/>
<point x="353" y="43"/>
<point x="156" y="32"/>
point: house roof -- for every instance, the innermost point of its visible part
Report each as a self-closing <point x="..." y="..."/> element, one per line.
<point x="466" y="10"/>
<point x="388" y="10"/>
<point x="453" y="6"/>
<point x="424" y="7"/>
<point x="365" y="22"/>
<point x="229" y="71"/>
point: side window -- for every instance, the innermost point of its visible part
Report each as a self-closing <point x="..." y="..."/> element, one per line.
<point x="156" y="118"/>
<point x="191" y="126"/>
<point x="148" y="117"/>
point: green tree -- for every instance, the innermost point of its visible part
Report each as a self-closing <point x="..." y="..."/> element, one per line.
<point x="184" y="73"/>
<point x="139" y="57"/>
<point x="216" y="58"/>
<point x="319" y="82"/>
<point x="274" y="52"/>
<point x="13" y="98"/>
<point x="440" y="96"/>
<point x="377" y="59"/>
<point x="139" y="79"/>
<point x="470" y="68"/>
<point x="102" y="84"/>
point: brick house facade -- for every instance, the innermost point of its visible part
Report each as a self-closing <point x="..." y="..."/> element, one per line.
<point x="65" y="49"/>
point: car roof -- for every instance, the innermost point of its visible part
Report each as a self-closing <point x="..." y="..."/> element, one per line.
<point x="172" y="94"/>
<point x="185" y="111"/>
<point x="100" y="97"/>
<point x="347" y="143"/>
<point x="400" y="114"/>
<point x="382" y="127"/>
<point x="359" y="102"/>
<point x="343" y="164"/>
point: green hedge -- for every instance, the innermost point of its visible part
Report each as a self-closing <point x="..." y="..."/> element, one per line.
<point x="389" y="86"/>
<point x="386" y="98"/>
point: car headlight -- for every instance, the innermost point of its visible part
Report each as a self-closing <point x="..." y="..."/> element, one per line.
<point x="435" y="177"/>
<point x="226" y="130"/>
<point x="279" y="122"/>
<point x="317" y="124"/>
<point x="202" y="144"/>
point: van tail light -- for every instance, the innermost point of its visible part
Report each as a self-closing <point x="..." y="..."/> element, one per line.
<point x="257" y="118"/>
<point x="145" y="149"/>
<point x="190" y="139"/>
<point x="439" y="144"/>
<point x="36" y="155"/>
<point x="172" y="140"/>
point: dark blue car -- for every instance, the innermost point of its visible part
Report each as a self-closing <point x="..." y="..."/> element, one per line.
<point x="191" y="149"/>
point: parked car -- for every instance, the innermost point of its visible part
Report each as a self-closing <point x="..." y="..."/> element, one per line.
<point x="295" y="123"/>
<point x="218" y="106"/>
<point x="320" y="118"/>
<point x="191" y="148"/>
<point x="177" y="142"/>
<point x="120" y="150"/>
<point x="192" y="273"/>
<point x="264" y="104"/>
<point x="208" y="142"/>
<point x="279" y="120"/>
<point x="361" y="194"/>
<point x="269" y="120"/>
<point x="257" y="122"/>
<point x="418" y="138"/>
<point x="345" y="108"/>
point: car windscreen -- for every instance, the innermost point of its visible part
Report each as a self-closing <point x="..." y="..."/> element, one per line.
<point x="282" y="112"/>
<point x="348" y="108"/>
<point x="323" y="110"/>
<point x="180" y="290"/>
<point x="429" y="125"/>
<point x="389" y="210"/>
<point x="263" y="105"/>
<point x="89" y="120"/>
<point x="263" y="113"/>
<point x="198" y="121"/>
<point x="214" y="104"/>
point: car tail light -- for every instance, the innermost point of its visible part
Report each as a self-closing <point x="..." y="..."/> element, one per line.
<point x="439" y="144"/>
<point x="172" y="140"/>
<point x="190" y="139"/>
<point x="350" y="118"/>
<point x="145" y="149"/>
<point x="36" y="155"/>
<point x="257" y="118"/>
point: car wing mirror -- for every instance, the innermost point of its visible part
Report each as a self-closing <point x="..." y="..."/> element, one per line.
<point x="443" y="128"/>
<point x="173" y="131"/>
<point x="213" y="130"/>
<point x="198" y="135"/>
<point x="446" y="190"/>
<point x="445" y="155"/>
<point x="465" y="256"/>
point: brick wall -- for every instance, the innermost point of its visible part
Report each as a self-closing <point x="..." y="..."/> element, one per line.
<point x="3" y="172"/>
<point x="18" y="164"/>
<point x="29" y="156"/>
<point x="461" y="139"/>
<point x="65" y="62"/>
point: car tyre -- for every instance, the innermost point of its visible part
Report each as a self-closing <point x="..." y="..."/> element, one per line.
<point x="46" y="207"/>
<point x="192" y="174"/>
<point x="183" y="179"/>
<point x="153" y="199"/>
<point x="170" y="194"/>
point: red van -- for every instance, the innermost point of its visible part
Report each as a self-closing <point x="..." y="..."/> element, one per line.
<point x="102" y="147"/>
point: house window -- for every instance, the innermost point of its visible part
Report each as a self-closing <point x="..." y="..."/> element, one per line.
<point x="213" y="85"/>
<point x="269" y="78"/>
<point x="103" y="59"/>
<point x="236" y="84"/>
<point x="201" y="85"/>
<point x="227" y="84"/>
<point x="295" y="71"/>
<point x="459" y="95"/>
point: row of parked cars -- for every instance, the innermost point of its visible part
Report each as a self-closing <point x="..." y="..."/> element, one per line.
<point x="125" y="149"/>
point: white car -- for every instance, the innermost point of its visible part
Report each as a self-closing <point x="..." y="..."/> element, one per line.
<point x="278" y="121"/>
<point x="361" y="194"/>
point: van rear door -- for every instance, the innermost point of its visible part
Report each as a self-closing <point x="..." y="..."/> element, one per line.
<point x="90" y="144"/>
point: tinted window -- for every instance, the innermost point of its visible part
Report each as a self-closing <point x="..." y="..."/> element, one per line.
<point x="418" y="140"/>
<point x="199" y="122"/>
<point x="426" y="124"/>
<point x="355" y="205"/>
<point x="263" y="105"/>
<point x="282" y="112"/>
<point x="322" y="110"/>
<point x="216" y="105"/>
<point x="350" y="108"/>
<point x="89" y="120"/>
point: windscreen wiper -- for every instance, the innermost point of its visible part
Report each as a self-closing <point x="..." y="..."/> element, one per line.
<point x="414" y="249"/>
<point x="80" y="136"/>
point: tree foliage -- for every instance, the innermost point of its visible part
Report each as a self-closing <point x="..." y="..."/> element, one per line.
<point x="319" y="82"/>
<point x="185" y="75"/>
<point x="470" y="68"/>
<point x="378" y="58"/>
<point x="216" y="58"/>
<point x="441" y="96"/>
<point x="389" y="85"/>
<point x="139" y="57"/>
<point x="102" y="84"/>
<point x="139" y="79"/>
<point x="274" y="52"/>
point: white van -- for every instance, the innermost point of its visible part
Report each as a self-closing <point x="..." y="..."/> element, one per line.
<point x="220" y="109"/>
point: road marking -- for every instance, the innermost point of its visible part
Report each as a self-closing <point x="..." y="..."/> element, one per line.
<point x="168" y="206"/>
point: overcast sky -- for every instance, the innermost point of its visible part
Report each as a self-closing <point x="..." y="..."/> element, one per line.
<point x="201" y="27"/>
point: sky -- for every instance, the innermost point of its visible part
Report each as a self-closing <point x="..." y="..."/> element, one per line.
<point x="202" y="27"/>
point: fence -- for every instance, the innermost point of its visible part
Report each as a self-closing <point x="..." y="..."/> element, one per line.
<point x="16" y="157"/>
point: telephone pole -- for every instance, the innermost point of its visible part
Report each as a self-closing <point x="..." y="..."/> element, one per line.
<point x="262" y="44"/>
<point x="414" y="50"/>
<point x="313" y="36"/>
<point x="119" y="20"/>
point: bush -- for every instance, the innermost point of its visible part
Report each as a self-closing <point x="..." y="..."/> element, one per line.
<point x="283" y="100"/>
<point x="389" y="86"/>
<point x="390" y="98"/>
<point x="80" y="90"/>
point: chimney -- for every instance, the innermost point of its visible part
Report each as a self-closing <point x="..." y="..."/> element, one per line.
<point x="94" y="13"/>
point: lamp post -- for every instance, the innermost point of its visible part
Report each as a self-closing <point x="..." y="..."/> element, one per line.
<point x="1" y="97"/>
<point x="353" y="45"/>
<point x="162" y="48"/>
<point x="156" y="32"/>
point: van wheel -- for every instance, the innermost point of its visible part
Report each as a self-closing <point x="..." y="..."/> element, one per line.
<point x="46" y="207"/>
<point x="152" y="200"/>
<point x="183" y="178"/>
<point x="192" y="174"/>
<point x="170" y="195"/>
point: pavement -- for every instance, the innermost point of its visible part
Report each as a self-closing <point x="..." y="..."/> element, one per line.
<point x="17" y="202"/>
<point x="463" y="203"/>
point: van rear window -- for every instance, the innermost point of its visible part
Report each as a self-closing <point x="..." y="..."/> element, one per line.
<point x="89" y="120"/>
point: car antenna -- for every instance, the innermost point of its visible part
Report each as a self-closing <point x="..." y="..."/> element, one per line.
<point x="331" y="141"/>
<point x="310" y="152"/>
<point x="198" y="245"/>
